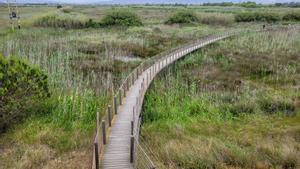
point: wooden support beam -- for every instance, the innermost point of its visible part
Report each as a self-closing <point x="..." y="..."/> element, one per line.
<point x="103" y="132"/>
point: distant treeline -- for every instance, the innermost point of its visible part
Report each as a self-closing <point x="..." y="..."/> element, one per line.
<point x="290" y="4"/>
<point x="250" y="4"/>
<point x="246" y="4"/>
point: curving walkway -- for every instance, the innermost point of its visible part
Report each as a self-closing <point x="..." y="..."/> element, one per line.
<point x="117" y="150"/>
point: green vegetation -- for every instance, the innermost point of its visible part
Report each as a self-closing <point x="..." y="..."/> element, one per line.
<point x="266" y="16"/>
<point x="291" y="16"/>
<point x="72" y="20"/>
<point x="85" y="51"/>
<point x="121" y="18"/>
<point x="228" y="106"/>
<point x="81" y="65"/>
<point x="60" y="22"/>
<point x="249" y="4"/>
<point x="182" y="17"/>
<point x="22" y="88"/>
<point x="262" y="17"/>
<point x="216" y="19"/>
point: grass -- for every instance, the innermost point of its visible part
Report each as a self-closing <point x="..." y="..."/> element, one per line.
<point x="216" y="19"/>
<point x="82" y="64"/>
<point x="210" y="111"/>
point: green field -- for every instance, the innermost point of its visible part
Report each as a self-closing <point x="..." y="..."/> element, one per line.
<point x="234" y="104"/>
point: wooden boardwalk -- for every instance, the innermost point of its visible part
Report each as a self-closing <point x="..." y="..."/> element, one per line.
<point x="117" y="150"/>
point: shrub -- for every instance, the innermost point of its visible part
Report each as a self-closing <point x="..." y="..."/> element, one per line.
<point x="67" y="9"/>
<point x="242" y="108"/>
<point x="121" y="18"/>
<point x="60" y="22"/>
<point x="22" y="87"/>
<point x="248" y="4"/>
<point x="292" y="16"/>
<point x="245" y="17"/>
<point x="91" y="24"/>
<point x="182" y="17"/>
<point x="272" y="106"/>
<point x="267" y="17"/>
<point x="251" y="16"/>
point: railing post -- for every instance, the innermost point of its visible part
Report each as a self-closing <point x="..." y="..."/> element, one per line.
<point x="97" y="155"/>
<point x="132" y="127"/>
<point x="143" y="85"/>
<point x="103" y="132"/>
<point x="133" y="113"/>
<point x="132" y="79"/>
<point x="120" y="96"/>
<point x="97" y="122"/>
<point x="140" y="94"/>
<point x="124" y="90"/>
<point x="127" y="84"/>
<point x="147" y="81"/>
<point x="137" y="104"/>
<point x="109" y="115"/>
<point x="153" y="70"/>
<point x="131" y="149"/>
<point x="115" y="105"/>
<point x="160" y="64"/>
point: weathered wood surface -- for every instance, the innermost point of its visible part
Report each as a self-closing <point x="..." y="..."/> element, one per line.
<point x="117" y="151"/>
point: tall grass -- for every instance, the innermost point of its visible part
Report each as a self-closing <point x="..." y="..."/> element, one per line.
<point x="214" y="109"/>
<point x="63" y="20"/>
<point x="76" y="94"/>
<point x="216" y="19"/>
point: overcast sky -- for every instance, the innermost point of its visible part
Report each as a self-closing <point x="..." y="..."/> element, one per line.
<point x="145" y="1"/>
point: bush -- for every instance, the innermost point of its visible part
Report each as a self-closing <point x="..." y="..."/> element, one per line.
<point x="22" y="87"/>
<point x="272" y="106"/>
<point x="267" y="17"/>
<point x="182" y="17"/>
<point x="216" y="19"/>
<point x="248" y="4"/>
<point x="292" y="16"/>
<point x="91" y="24"/>
<point x="67" y="9"/>
<point x="60" y="22"/>
<point x="245" y="17"/>
<point x="251" y="16"/>
<point x="121" y="18"/>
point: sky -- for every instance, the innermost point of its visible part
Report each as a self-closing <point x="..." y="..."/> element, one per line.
<point x="144" y="1"/>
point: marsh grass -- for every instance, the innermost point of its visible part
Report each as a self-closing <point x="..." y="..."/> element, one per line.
<point x="216" y="19"/>
<point x="208" y="111"/>
<point x="64" y="19"/>
<point x="82" y="64"/>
